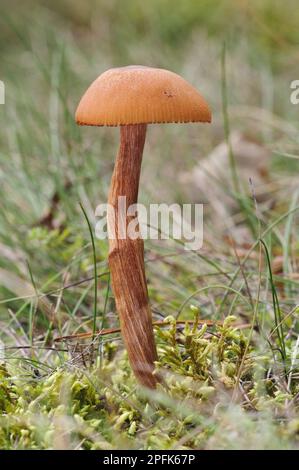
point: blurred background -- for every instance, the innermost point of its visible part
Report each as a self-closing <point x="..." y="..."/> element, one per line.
<point x="242" y="55"/>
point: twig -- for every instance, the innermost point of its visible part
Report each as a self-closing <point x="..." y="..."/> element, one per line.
<point x="109" y="331"/>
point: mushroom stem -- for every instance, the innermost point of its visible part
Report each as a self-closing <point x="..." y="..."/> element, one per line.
<point x="126" y="258"/>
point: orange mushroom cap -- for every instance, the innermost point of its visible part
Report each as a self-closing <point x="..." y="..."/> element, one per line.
<point x="140" y="95"/>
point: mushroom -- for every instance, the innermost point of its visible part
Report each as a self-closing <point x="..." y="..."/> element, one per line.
<point x="132" y="97"/>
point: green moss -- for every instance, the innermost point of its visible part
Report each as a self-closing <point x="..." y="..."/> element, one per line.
<point x="103" y="408"/>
